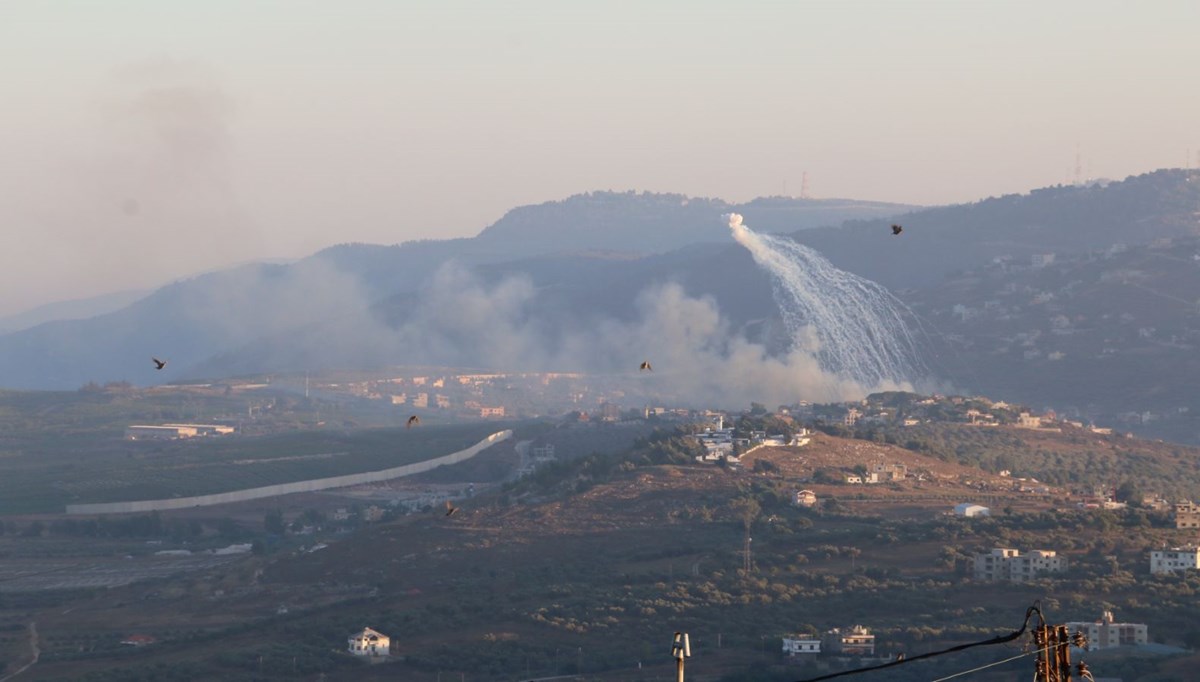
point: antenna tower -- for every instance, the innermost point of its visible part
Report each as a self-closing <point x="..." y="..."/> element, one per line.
<point x="804" y="186"/>
<point x="1078" y="167"/>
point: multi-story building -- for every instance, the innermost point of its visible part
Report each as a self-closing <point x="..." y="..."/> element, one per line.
<point x="1106" y="634"/>
<point x="369" y="643"/>
<point x="1174" y="559"/>
<point x="1187" y="515"/>
<point x="1010" y="564"/>
<point x="855" y="641"/>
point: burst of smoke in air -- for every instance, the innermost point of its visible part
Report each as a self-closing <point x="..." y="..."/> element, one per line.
<point x="854" y="327"/>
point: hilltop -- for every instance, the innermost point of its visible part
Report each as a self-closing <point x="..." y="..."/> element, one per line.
<point x="980" y="279"/>
<point x="589" y="562"/>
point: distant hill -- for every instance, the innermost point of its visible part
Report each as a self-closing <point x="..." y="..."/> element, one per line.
<point x="653" y="223"/>
<point x="1063" y="219"/>
<point x="1109" y="336"/>
<point x="70" y="310"/>
<point x="585" y="283"/>
<point x="324" y="310"/>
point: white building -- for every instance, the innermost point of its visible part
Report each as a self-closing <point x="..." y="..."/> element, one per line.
<point x="804" y="498"/>
<point x="970" y="510"/>
<point x="799" y="646"/>
<point x="1010" y="564"/>
<point x="1174" y="559"/>
<point x="1106" y="634"/>
<point x="369" y="643"/>
<point x="206" y="429"/>
<point x="854" y="641"/>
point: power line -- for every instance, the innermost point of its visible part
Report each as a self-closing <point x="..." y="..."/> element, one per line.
<point x="1002" y="639"/>
<point x="991" y="665"/>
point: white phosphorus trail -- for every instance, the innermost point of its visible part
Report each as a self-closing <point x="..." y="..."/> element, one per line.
<point x="854" y="327"/>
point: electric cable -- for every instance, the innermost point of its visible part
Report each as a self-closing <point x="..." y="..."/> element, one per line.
<point x="990" y="665"/>
<point x="1000" y="639"/>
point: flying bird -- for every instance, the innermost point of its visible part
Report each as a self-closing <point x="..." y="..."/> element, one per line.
<point x="450" y="508"/>
<point x="896" y="229"/>
<point x="159" y="364"/>
<point x="412" y="421"/>
<point x="646" y="366"/>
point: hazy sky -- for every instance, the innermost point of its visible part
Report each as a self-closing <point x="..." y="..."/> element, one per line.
<point x="146" y="139"/>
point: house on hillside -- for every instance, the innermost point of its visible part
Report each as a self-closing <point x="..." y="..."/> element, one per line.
<point x="800" y="646"/>
<point x="854" y="641"/>
<point x="1009" y="564"/>
<point x="1174" y="560"/>
<point x="882" y="473"/>
<point x="543" y="453"/>
<point x="139" y="640"/>
<point x="1187" y="515"/>
<point x="370" y="643"/>
<point x="805" y="498"/>
<point x="1107" y="634"/>
<point x="1028" y="421"/>
<point x="969" y="510"/>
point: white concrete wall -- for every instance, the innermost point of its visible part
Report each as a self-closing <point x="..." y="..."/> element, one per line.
<point x="289" y="488"/>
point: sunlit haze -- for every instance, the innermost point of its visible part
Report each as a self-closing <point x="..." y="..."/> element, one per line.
<point x="144" y="140"/>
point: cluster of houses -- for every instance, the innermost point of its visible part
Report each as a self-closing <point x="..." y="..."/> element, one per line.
<point x="720" y="444"/>
<point x="853" y="641"/>
<point x="857" y="640"/>
<point x="1006" y="564"/>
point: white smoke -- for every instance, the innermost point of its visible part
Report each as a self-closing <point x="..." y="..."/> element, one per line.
<point x="852" y="326"/>
<point x="460" y="320"/>
<point x="698" y="359"/>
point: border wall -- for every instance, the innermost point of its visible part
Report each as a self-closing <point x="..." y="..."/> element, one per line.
<point x="289" y="488"/>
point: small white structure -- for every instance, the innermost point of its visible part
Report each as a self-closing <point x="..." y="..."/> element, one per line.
<point x="370" y="643"/>
<point x="206" y="429"/>
<point x="145" y="432"/>
<point x="805" y="498"/>
<point x="799" y="646"/>
<point x="1174" y="560"/>
<point x="1106" y="634"/>
<point x="969" y="510"/>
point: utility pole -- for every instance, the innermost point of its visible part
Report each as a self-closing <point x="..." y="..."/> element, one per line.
<point x="1063" y="653"/>
<point x="680" y="649"/>
<point x="1043" y="671"/>
<point x="1053" y="644"/>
